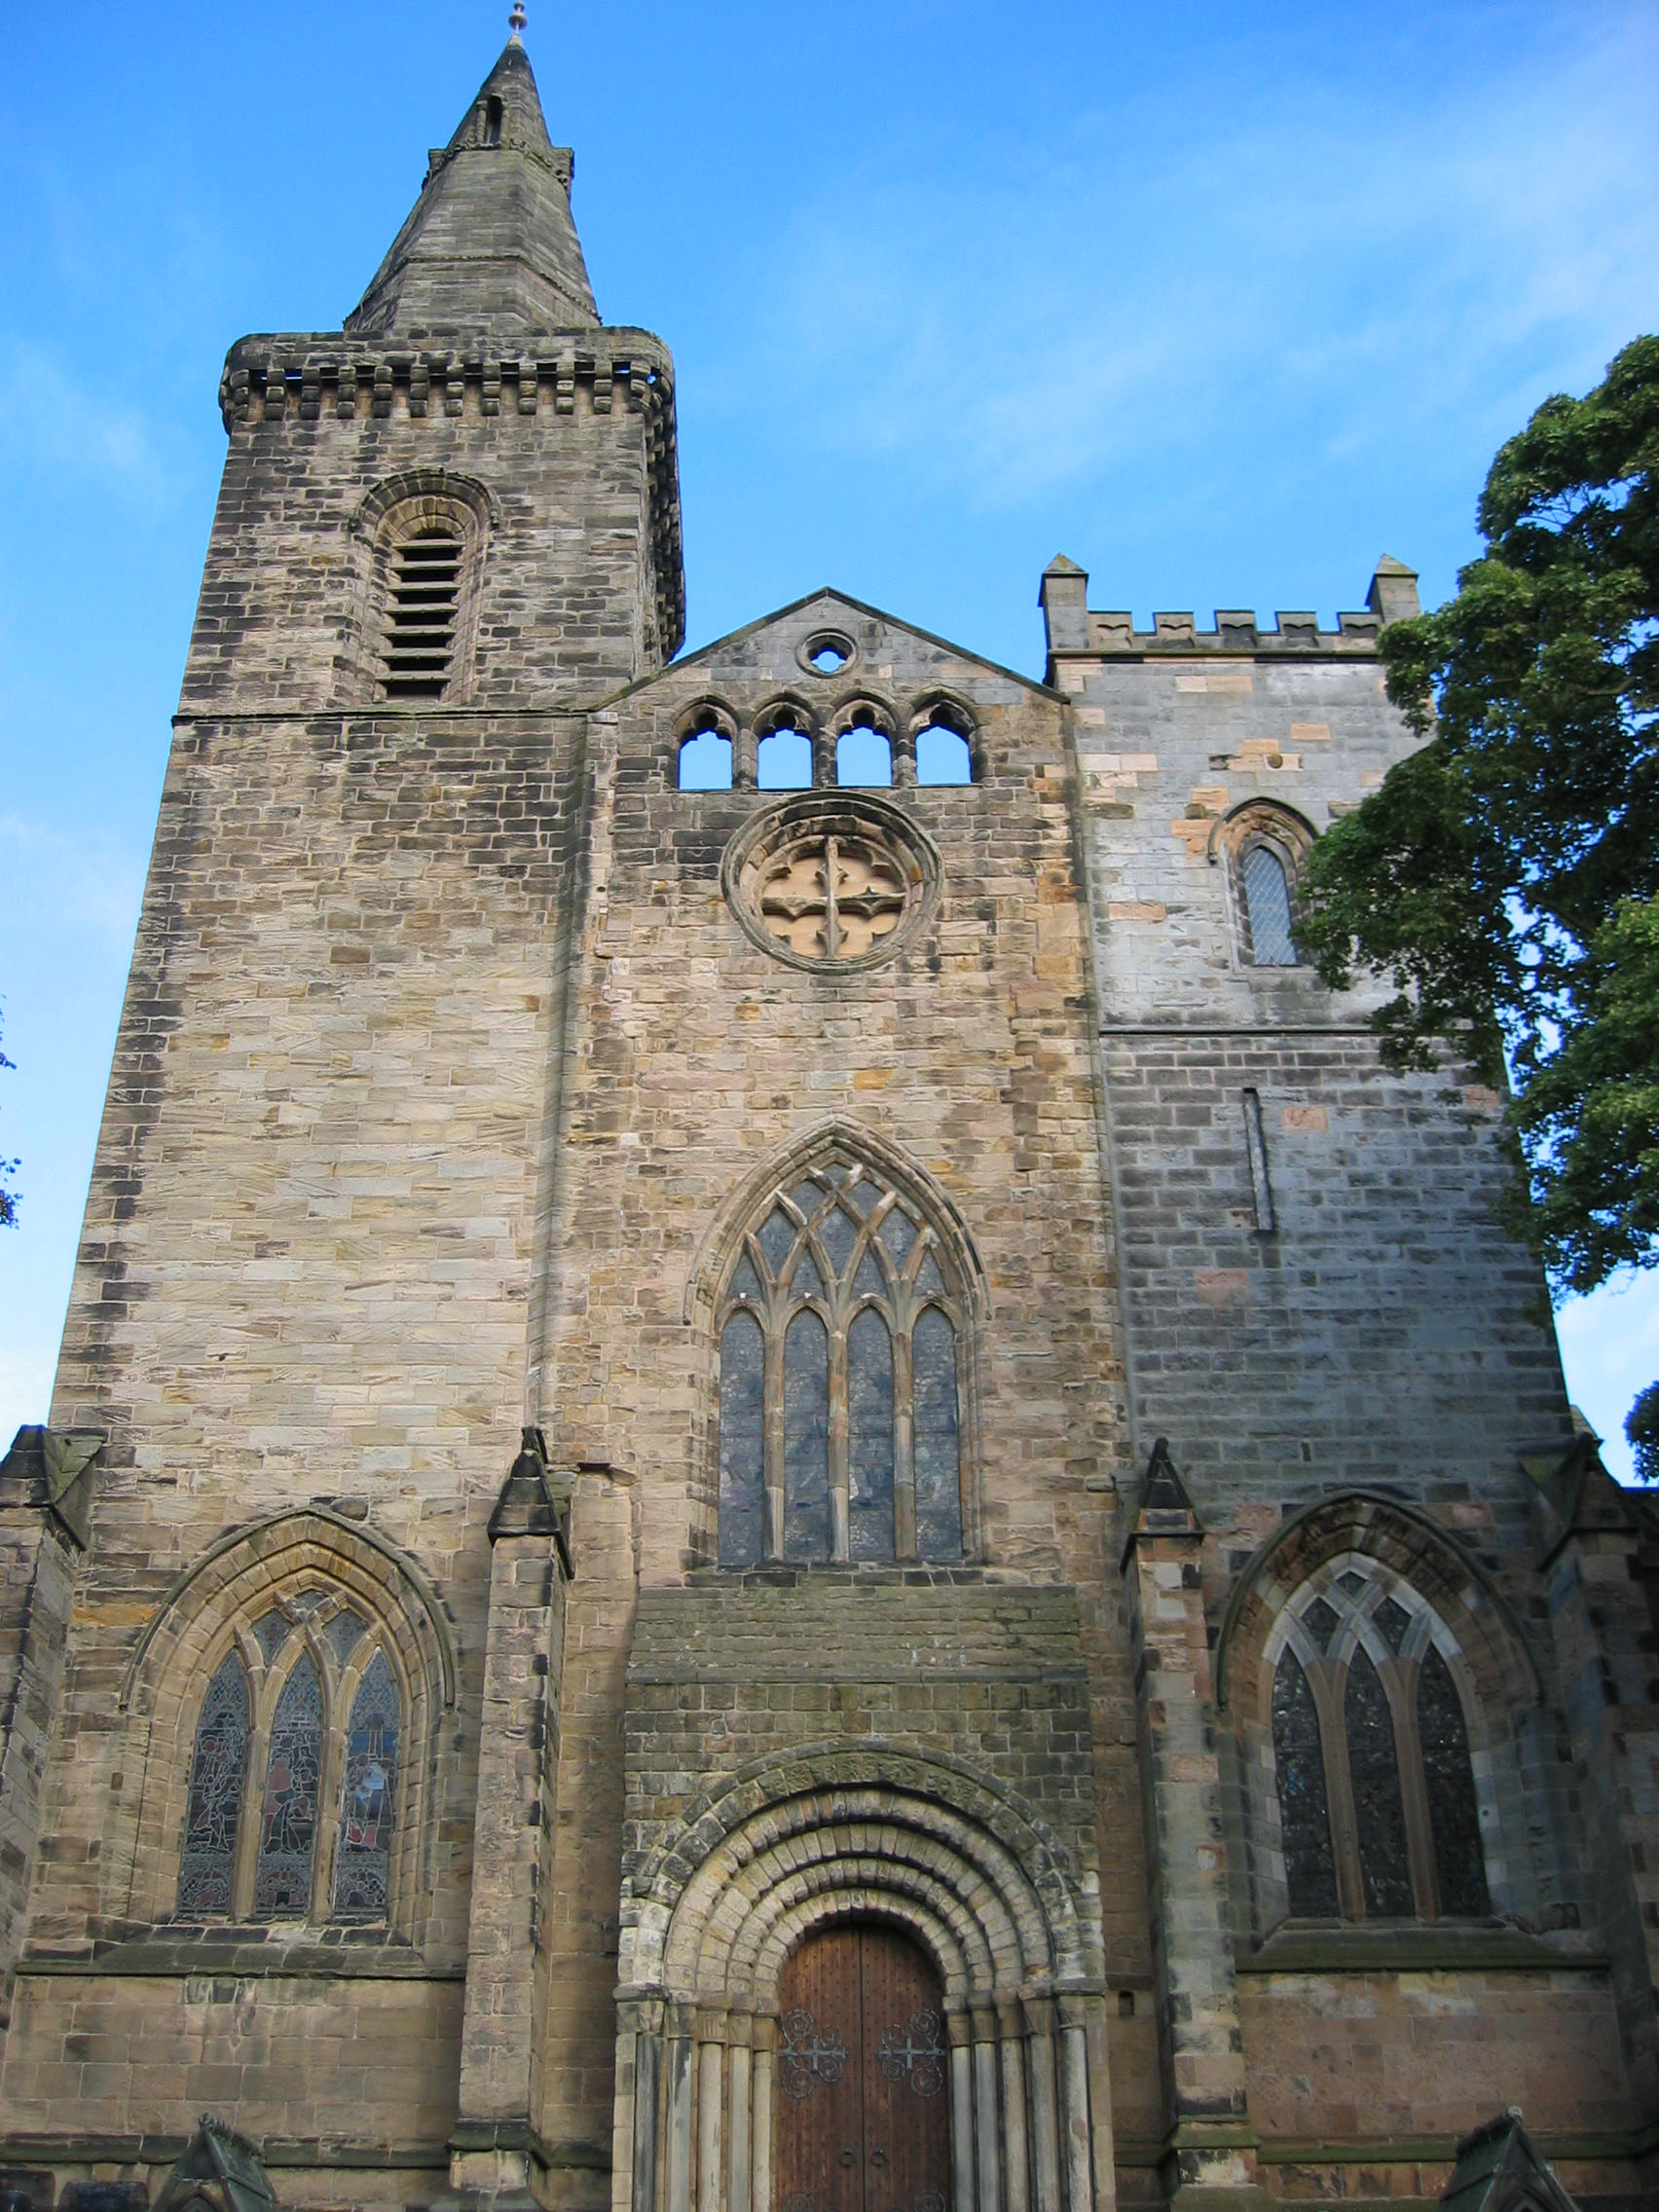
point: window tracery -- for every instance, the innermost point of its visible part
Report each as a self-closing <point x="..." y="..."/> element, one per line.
<point x="1379" y="1817"/>
<point x="288" y="1808"/>
<point x="841" y="1334"/>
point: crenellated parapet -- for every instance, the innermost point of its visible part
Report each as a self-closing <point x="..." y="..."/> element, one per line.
<point x="1076" y="628"/>
<point x="310" y="378"/>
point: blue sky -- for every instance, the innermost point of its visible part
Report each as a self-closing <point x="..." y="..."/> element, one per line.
<point x="1221" y="302"/>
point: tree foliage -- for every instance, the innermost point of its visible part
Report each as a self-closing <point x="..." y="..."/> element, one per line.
<point x="1505" y="877"/>
<point x="1642" y="1430"/>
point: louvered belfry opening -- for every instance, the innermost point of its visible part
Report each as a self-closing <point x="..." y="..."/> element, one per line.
<point x="423" y="608"/>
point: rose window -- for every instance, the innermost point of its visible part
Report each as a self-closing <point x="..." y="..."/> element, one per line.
<point x="828" y="882"/>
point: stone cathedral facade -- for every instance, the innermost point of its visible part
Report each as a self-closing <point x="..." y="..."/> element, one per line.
<point x="780" y="1480"/>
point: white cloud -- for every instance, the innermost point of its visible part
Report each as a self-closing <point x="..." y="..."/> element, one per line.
<point x="1421" y="261"/>
<point x="49" y="424"/>
<point x="69" y="885"/>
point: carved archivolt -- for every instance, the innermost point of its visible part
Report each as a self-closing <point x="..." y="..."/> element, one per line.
<point x="832" y="1833"/>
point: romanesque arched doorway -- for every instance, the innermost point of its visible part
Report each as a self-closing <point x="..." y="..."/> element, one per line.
<point x="863" y="2074"/>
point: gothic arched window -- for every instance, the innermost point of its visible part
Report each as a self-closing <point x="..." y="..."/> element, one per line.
<point x="1264" y="878"/>
<point x="1264" y="846"/>
<point x="315" y="1822"/>
<point x="1378" y="1812"/>
<point x="840" y="1336"/>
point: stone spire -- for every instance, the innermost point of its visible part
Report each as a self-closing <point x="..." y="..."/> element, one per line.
<point x="489" y="242"/>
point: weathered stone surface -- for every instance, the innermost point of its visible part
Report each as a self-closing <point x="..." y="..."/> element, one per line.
<point x="462" y="1050"/>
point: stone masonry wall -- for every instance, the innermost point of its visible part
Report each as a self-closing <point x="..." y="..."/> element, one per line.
<point x="693" y="1056"/>
<point x="310" y="1268"/>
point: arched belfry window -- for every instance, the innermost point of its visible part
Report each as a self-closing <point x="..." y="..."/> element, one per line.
<point x="841" y="1328"/>
<point x="1378" y="1815"/>
<point x="427" y="532"/>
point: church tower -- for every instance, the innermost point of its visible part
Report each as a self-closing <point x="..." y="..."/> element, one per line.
<point x="306" y="1315"/>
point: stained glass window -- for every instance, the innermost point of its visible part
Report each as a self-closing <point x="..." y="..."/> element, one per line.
<point x="807" y="1439"/>
<point x="1452" y="1809"/>
<point x="939" y="1441"/>
<point x="838" y="1339"/>
<point x="1400" y="1834"/>
<point x="362" y="1876"/>
<point x="218" y="1778"/>
<point x="870" y="1437"/>
<point x="743" y="1357"/>
<point x="1395" y="1623"/>
<point x="287" y="1814"/>
<point x="1321" y="1619"/>
<point x="1304" y="1820"/>
<point x="1267" y="902"/>
<point x="1379" y="1817"/>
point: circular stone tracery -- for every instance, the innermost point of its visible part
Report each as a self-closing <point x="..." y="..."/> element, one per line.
<point x="830" y="882"/>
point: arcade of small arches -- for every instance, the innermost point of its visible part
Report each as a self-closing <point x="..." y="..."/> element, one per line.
<point x="864" y="742"/>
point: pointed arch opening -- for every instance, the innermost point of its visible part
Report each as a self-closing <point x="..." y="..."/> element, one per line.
<point x="282" y="1710"/>
<point x="1265" y="847"/>
<point x="842" y="1300"/>
<point x="1385" y="1710"/>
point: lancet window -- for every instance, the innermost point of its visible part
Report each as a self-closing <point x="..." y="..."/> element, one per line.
<point x="841" y="1334"/>
<point x="1264" y="846"/>
<point x="1378" y="1815"/>
<point x="293" y="1780"/>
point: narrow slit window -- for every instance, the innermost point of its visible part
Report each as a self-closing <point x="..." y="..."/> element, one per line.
<point x="423" y="613"/>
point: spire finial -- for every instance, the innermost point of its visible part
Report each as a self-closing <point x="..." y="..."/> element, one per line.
<point x="516" y="21"/>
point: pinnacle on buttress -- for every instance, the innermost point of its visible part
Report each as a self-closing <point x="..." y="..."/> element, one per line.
<point x="491" y="240"/>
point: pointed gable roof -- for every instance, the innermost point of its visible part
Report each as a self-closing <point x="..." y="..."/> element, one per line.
<point x="829" y="602"/>
<point x="491" y="240"/>
<point x="220" y="2171"/>
<point x="1498" y="2169"/>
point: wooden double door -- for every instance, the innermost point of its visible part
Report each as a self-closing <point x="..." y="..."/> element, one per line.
<point x="864" y="2100"/>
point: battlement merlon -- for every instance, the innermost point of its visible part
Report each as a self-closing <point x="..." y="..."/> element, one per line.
<point x="1078" y="632"/>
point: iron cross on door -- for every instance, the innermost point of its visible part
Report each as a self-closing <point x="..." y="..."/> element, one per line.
<point x="862" y="2068"/>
